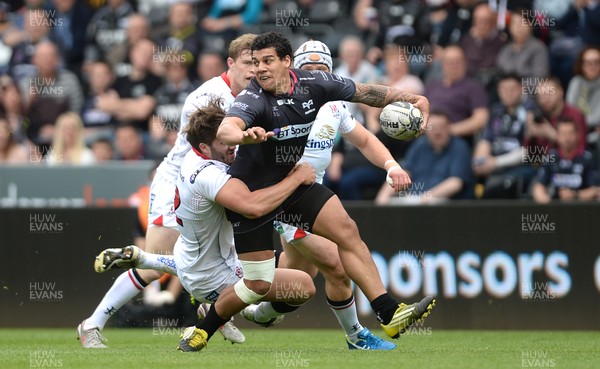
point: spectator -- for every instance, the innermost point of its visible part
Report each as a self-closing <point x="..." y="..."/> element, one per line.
<point x="586" y="13"/>
<point x="68" y="146"/>
<point x="227" y="18"/>
<point x="404" y="22"/>
<point x="543" y="116"/>
<point x="169" y="103"/>
<point x="571" y="173"/>
<point x="128" y="143"/>
<point x="210" y="64"/>
<point x="24" y="43"/>
<point x="102" y="149"/>
<point x="131" y="99"/>
<point x="11" y="106"/>
<point x="182" y="35"/>
<point x="6" y="26"/>
<point x="584" y="89"/>
<point x="524" y="55"/>
<point x="97" y="122"/>
<point x="354" y="66"/>
<point x="461" y="97"/>
<point x="138" y="28"/>
<point x="438" y="164"/>
<point x="482" y="45"/>
<point x="49" y="93"/>
<point x="107" y="29"/>
<point x="451" y="21"/>
<point x="11" y="152"/>
<point x="72" y="18"/>
<point x="498" y="155"/>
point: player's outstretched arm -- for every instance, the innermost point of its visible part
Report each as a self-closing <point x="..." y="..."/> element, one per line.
<point x="236" y="196"/>
<point x="379" y="155"/>
<point x="232" y="131"/>
<point x="380" y="96"/>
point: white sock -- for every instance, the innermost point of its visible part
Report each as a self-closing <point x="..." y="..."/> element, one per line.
<point x="345" y="312"/>
<point x="265" y="312"/>
<point x="126" y="287"/>
<point x="163" y="263"/>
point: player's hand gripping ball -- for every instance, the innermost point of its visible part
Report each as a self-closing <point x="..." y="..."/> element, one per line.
<point x="401" y="120"/>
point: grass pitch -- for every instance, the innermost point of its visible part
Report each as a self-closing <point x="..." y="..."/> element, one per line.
<point x="281" y="348"/>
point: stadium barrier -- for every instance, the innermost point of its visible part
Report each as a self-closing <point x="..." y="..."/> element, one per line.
<point x="509" y="265"/>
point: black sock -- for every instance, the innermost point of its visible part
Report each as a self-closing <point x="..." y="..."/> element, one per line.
<point x="211" y="322"/>
<point x="139" y="279"/>
<point x="283" y="307"/>
<point x="385" y="307"/>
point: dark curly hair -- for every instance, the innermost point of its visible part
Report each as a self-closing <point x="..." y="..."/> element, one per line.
<point x="275" y="40"/>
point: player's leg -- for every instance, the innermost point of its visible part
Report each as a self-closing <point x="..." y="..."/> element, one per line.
<point x="323" y="254"/>
<point x="334" y="223"/>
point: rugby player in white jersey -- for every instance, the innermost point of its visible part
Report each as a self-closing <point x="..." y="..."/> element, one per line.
<point x="162" y="229"/>
<point x="309" y="252"/>
<point x="204" y="252"/>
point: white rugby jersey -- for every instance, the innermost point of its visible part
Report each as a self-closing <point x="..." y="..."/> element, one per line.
<point x="217" y="87"/>
<point x="332" y="117"/>
<point x="206" y="239"/>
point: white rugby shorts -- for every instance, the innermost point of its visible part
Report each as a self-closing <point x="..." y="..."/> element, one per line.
<point x="161" y="211"/>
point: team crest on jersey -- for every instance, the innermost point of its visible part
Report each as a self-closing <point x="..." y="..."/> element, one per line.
<point x="326" y="132"/>
<point x="335" y="111"/>
<point x="307" y="105"/>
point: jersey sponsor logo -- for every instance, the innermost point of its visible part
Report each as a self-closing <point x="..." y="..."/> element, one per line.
<point x="292" y="131"/>
<point x="249" y="93"/>
<point x="572" y="181"/>
<point x="240" y="105"/>
<point x="285" y="102"/>
<point x="320" y="144"/>
<point x="195" y="174"/>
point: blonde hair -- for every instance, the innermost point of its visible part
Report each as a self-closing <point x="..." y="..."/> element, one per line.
<point x="56" y="154"/>
<point x="240" y="44"/>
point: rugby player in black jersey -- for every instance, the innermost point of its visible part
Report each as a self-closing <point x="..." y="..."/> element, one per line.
<point x="271" y="120"/>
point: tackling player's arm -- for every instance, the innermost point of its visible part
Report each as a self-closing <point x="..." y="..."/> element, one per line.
<point x="380" y="96"/>
<point x="236" y="196"/>
<point x="379" y="155"/>
<point x="232" y="131"/>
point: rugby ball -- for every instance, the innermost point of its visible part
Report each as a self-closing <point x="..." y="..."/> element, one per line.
<point x="401" y="120"/>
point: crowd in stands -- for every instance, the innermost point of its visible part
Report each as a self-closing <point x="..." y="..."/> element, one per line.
<point x="514" y="86"/>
